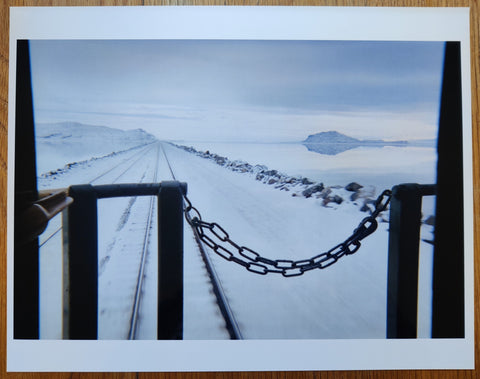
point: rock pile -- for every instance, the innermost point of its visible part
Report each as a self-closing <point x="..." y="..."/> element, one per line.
<point x="330" y="196"/>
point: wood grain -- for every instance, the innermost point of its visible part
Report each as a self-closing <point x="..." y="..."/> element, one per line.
<point x="410" y="374"/>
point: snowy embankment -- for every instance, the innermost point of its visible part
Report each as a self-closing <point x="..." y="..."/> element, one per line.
<point x="362" y="196"/>
<point x="331" y="196"/>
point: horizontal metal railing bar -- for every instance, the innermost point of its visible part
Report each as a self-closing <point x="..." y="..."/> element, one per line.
<point x="414" y="188"/>
<point x="427" y="189"/>
<point x="130" y="189"/>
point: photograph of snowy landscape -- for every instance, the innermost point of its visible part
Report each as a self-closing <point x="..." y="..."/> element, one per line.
<point x="284" y="144"/>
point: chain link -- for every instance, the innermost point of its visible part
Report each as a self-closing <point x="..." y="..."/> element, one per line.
<point x="217" y="239"/>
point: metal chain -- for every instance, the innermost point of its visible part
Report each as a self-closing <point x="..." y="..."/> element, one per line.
<point x="217" y="239"/>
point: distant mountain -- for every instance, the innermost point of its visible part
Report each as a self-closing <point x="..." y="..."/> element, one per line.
<point x="331" y="137"/>
<point x="68" y="132"/>
<point x="66" y="142"/>
<point x="332" y="143"/>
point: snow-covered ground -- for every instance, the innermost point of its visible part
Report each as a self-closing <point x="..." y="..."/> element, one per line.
<point x="346" y="300"/>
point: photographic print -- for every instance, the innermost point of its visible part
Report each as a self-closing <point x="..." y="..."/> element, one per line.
<point x="277" y="192"/>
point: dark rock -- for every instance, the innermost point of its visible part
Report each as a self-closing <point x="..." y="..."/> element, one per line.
<point x="326" y="192"/>
<point x="282" y="187"/>
<point x="271" y="181"/>
<point x="337" y="199"/>
<point x="220" y="160"/>
<point x="354" y="196"/>
<point x="353" y="187"/>
<point x="260" y="168"/>
<point x="271" y="172"/>
<point x="306" y="181"/>
<point x="332" y="199"/>
<point x="311" y="190"/>
<point x="430" y="220"/>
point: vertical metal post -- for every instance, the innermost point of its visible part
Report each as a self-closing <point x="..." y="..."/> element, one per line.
<point x="26" y="265"/>
<point x="26" y="292"/>
<point x="448" y="310"/>
<point x="170" y="261"/>
<point x="82" y="263"/>
<point x="404" y="237"/>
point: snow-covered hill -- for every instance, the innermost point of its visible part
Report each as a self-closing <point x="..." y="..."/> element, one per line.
<point x="60" y="143"/>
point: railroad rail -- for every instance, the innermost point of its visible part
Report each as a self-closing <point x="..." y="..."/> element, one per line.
<point x="138" y="291"/>
<point x="221" y="299"/>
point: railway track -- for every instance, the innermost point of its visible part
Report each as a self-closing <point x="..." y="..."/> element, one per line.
<point x="126" y="307"/>
<point x="222" y="301"/>
<point x="138" y="291"/>
<point x="123" y="256"/>
<point x="127" y="170"/>
<point x="55" y="226"/>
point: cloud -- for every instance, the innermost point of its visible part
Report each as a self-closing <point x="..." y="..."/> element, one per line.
<point x="265" y="89"/>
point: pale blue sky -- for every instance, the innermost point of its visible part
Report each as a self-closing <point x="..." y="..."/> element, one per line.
<point x="247" y="90"/>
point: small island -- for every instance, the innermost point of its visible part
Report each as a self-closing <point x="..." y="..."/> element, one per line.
<point x="332" y="143"/>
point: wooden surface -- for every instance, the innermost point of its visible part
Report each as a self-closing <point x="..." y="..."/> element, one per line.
<point x="475" y="26"/>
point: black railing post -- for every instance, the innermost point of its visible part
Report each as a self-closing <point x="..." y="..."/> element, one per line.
<point x="82" y="274"/>
<point x="448" y="309"/>
<point x="170" y="261"/>
<point x="403" y="255"/>
<point x="25" y="259"/>
<point x="403" y="245"/>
